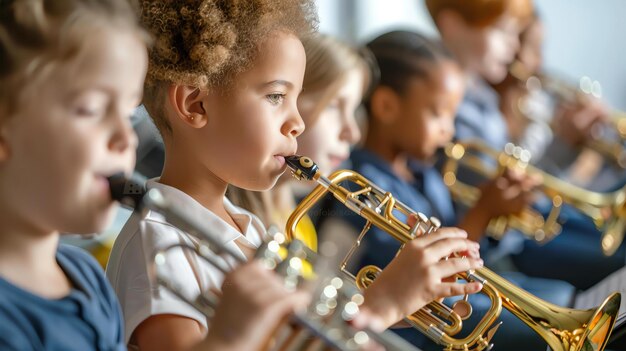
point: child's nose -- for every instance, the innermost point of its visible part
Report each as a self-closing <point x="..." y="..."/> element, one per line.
<point x="350" y="129"/>
<point x="294" y="126"/>
<point x="447" y="128"/>
<point x="123" y="136"/>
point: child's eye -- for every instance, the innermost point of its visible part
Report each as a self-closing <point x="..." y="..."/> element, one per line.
<point x="87" y="112"/>
<point x="435" y="112"/>
<point x="275" y="99"/>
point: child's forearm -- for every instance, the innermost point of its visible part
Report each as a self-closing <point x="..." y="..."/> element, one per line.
<point x="475" y="222"/>
<point x="373" y="306"/>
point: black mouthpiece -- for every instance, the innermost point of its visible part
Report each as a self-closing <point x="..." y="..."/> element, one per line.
<point x="128" y="191"/>
<point x="302" y="167"/>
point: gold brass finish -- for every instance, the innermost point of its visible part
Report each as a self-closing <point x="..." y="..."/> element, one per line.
<point x="607" y="210"/>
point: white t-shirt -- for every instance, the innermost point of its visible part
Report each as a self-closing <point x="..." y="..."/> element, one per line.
<point x="128" y="266"/>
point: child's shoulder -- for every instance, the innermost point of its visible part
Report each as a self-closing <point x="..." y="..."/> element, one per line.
<point x="28" y="321"/>
<point x="83" y="269"/>
<point x="234" y="209"/>
<point x="78" y="265"/>
<point x="72" y="257"/>
<point x="372" y="167"/>
<point x="12" y="336"/>
<point x="255" y="231"/>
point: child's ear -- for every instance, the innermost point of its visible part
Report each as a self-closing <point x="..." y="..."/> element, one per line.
<point x="385" y="105"/>
<point x="188" y="103"/>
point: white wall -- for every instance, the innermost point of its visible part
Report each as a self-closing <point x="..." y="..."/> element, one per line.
<point x="586" y="37"/>
<point x="372" y="17"/>
<point x="376" y="17"/>
<point x="583" y="37"/>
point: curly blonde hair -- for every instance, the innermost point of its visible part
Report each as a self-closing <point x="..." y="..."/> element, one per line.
<point x="38" y="35"/>
<point x="205" y="43"/>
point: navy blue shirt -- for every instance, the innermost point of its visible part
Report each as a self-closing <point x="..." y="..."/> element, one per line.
<point x="479" y="117"/>
<point x="88" y="318"/>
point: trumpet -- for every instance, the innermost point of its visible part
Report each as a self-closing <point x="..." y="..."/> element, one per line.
<point x="563" y="329"/>
<point x="607" y="210"/>
<point x="607" y="138"/>
<point x="324" y="325"/>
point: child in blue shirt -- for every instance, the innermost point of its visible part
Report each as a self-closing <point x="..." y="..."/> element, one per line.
<point x="484" y="38"/>
<point x="72" y="72"/>
<point x="64" y="104"/>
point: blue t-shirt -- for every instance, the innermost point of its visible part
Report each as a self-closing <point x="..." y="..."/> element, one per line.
<point x="88" y="318"/>
<point x="479" y="117"/>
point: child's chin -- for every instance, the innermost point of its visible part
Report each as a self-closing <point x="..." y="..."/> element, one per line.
<point x="269" y="185"/>
<point x="100" y="221"/>
<point x="267" y="182"/>
<point x="261" y="185"/>
<point x="496" y="75"/>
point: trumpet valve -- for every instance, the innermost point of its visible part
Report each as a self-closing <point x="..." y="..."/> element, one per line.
<point x="463" y="308"/>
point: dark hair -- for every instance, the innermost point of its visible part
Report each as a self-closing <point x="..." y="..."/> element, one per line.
<point x="400" y="56"/>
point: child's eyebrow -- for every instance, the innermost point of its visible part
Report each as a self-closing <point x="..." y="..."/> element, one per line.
<point x="137" y="95"/>
<point x="279" y="82"/>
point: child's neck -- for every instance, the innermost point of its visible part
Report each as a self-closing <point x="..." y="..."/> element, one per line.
<point x="401" y="167"/>
<point x="472" y="80"/>
<point x="379" y="144"/>
<point x="28" y="260"/>
<point x="199" y="183"/>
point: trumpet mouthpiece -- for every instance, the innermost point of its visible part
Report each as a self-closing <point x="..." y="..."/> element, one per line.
<point x="302" y="167"/>
<point x="127" y="191"/>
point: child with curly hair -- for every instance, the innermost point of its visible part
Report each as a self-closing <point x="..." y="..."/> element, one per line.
<point x="222" y="87"/>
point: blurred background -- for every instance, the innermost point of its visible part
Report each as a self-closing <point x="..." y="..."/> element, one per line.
<point x="583" y="37"/>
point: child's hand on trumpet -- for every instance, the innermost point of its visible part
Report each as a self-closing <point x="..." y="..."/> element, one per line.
<point x="420" y="274"/>
<point x="253" y="303"/>
<point x="506" y="194"/>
